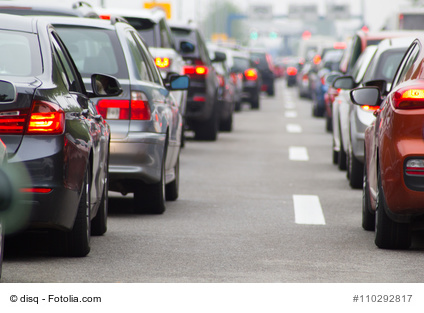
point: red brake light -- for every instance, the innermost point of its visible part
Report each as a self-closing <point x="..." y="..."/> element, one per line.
<point x="36" y="190"/>
<point x="251" y="74"/>
<point x="13" y="122"/>
<point x="291" y="71"/>
<point x="46" y="118"/>
<point x="140" y="108"/>
<point x="114" y="109"/>
<point x="162" y="62"/>
<point x="104" y="16"/>
<point x="317" y="59"/>
<point x="199" y="70"/>
<point x="370" y="108"/>
<point x="408" y="98"/>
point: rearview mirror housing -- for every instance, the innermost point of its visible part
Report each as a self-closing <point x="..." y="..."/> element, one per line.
<point x="7" y="92"/>
<point x="105" y="86"/>
<point x="344" y="82"/>
<point x="366" y="96"/>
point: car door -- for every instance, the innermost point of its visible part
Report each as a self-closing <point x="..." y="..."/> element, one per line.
<point x="84" y="112"/>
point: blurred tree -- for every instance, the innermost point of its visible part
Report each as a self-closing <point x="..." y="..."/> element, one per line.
<point x="216" y="22"/>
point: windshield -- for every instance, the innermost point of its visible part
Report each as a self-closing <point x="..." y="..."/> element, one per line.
<point x="19" y="54"/>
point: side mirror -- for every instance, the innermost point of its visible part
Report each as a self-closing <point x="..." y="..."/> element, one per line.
<point x="219" y="57"/>
<point x="366" y="96"/>
<point x="178" y="82"/>
<point x="186" y="47"/>
<point x="330" y="77"/>
<point x="344" y="82"/>
<point x="7" y="92"/>
<point x="105" y="85"/>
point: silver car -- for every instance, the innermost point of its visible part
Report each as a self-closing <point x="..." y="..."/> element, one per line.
<point x="376" y="67"/>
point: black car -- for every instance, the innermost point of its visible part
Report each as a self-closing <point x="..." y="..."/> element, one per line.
<point x="263" y="63"/>
<point x="202" y="114"/>
<point x="51" y="127"/>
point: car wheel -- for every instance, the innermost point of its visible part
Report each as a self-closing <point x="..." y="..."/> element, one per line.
<point x="208" y="130"/>
<point x="150" y="198"/>
<point x="335" y="155"/>
<point x="1" y="246"/>
<point x="271" y="90"/>
<point x="227" y="124"/>
<point x="254" y="104"/>
<point x="368" y="216"/>
<point x="356" y="171"/>
<point x="388" y="233"/>
<point x="342" y="157"/>
<point x="172" y="189"/>
<point x="75" y="243"/>
<point x="237" y="106"/>
<point x="99" y="222"/>
<point x="328" y="123"/>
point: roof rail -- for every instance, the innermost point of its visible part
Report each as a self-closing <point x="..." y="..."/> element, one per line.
<point x="116" y="18"/>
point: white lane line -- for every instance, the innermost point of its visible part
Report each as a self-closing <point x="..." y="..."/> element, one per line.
<point x="290" y="114"/>
<point x="298" y="154"/>
<point x="293" y="128"/>
<point x="307" y="210"/>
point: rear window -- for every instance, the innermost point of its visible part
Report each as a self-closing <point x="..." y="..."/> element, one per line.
<point x="411" y="21"/>
<point x="241" y="64"/>
<point x="19" y="54"/>
<point x="146" y="29"/>
<point x="94" y="50"/>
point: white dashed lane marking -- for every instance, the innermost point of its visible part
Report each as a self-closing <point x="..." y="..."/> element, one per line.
<point x="307" y="210"/>
<point x="298" y="154"/>
<point x="293" y="128"/>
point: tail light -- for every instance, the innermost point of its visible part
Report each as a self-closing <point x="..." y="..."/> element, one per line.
<point x="317" y="59"/>
<point x="104" y="16"/>
<point x="251" y="74"/>
<point x="36" y="190"/>
<point x="305" y="77"/>
<point x="221" y="81"/>
<point x="162" y="62"/>
<point x="370" y="108"/>
<point x="45" y="118"/>
<point x="291" y="71"/>
<point x="323" y="80"/>
<point x="198" y="70"/>
<point x="408" y="98"/>
<point x="137" y="108"/>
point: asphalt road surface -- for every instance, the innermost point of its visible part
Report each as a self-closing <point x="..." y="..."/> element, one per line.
<point x="263" y="203"/>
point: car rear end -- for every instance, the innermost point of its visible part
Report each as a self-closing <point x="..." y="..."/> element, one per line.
<point x="263" y="63"/>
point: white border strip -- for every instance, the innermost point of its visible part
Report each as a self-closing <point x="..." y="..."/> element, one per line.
<point x="307" y="210"/>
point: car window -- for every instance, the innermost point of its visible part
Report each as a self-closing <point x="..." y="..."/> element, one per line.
<point x="19" y="54"/>
<point x="142" y="70"/>
<point x="148" y="59"/>
<point x="241" y="64"/>
<point x="361" y="65"/>
<point x="146" y="29"/>
<point x="384" y="67"/>
<point x="69" y="73"/>
<point x="404" y="70"/>
<point x="94" y="50"/>
<point x="165" y="35"/>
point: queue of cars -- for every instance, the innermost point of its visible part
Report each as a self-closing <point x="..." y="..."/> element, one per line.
<point x="94" y="101"/>
<point x="376" y="105"/>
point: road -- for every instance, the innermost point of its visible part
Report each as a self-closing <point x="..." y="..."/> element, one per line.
<point x="264" y="203"/>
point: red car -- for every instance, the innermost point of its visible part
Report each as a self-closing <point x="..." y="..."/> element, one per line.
<point x="393" y="189"/>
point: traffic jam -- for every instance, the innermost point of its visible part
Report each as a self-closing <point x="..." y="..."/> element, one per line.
<point x="112" y="116"/>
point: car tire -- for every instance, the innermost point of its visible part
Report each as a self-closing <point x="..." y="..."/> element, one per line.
<point x="172" y="189"/>
<point x="388" y="233"/>
<point x="254" y="104"/>
<point x="341" y="162"/>
<point x="2" y="235"/>
<point x="355" y="170"/>
<point x="75" y="243"/>
<point x="271" y="90"/>
<point x="227" y="124"/>
<point x="328" y="123"/>
<point x="368" y="216"/>
<point x="237" y="106"/>
<point x="208" y="130"/>
<point x="150" y="198"/>
<point x="99" y="222"/>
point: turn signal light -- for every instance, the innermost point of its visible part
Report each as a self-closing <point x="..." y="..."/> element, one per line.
<point x="251" y="74"/>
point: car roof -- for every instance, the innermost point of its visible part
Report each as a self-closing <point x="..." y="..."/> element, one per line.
<point x="90" y="22"/>
<point x="155" y="14"/>
<point x="79" y="8"/>
<point x="19" y="23"/>
<point x="182" y="25"/>
<point x="399" y="42"/>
